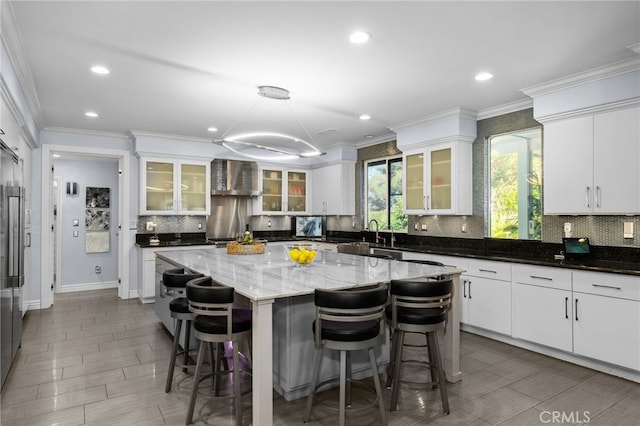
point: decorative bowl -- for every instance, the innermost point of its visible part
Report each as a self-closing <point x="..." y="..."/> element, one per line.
<point x="301" y="254"/>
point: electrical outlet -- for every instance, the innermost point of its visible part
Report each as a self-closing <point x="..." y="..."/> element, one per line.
<point x="464" y="227"/>
<point x="98" y="269"/>
<point x="268" y="224"/>
<point x="200" y="226"/>
<point x="628" y="229"/>
<point x="415" y="226"/>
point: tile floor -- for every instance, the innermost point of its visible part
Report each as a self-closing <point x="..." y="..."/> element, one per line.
<point x="92" y="359"/>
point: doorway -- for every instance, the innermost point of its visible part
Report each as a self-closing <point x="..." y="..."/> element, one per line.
<point x="52" y="259"/>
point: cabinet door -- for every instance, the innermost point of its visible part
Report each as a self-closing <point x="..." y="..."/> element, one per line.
<point x="489" y="304"/>
<point x="543" y="315"/>
<point x="414" y="177"/>
<point x="568" y="166"/>
<point x="296" y="192"/>
<point x="616" y="157"/>
<point x="333" y="190"/>
<point x="158" y="187"/>
<point x="194" y="188"/>
<point x="440" y="189"/>
<point x="607" y="329"/>
<point x="272" y="191"/>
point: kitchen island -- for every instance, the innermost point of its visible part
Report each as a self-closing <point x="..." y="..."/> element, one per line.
<point x="280" y="295"/>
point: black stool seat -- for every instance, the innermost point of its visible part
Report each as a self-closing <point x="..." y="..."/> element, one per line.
<point x="417" y="315"/>
<point x="180" y="305"/>
<point x="348" y="332"/>
<point x="218" y="325"/>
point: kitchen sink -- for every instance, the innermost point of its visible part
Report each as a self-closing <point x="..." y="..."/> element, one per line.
<point x="363" y="247"/>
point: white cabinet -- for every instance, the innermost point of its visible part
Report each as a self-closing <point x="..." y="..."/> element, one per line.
<point x="591" y="164"/>
<point x="486" y="295"/>
<point x="283" y="192"/>
<point x="437" y="179"/>
<point x="169" y="187"/>
<point x="333" y="190"/>
<point x="542" y="306"/>
<point x="606" y="317"/>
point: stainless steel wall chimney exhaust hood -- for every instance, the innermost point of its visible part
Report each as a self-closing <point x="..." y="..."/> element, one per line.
<point x="231" y="177"/>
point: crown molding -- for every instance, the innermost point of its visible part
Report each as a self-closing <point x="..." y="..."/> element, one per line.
<point x="594" y="74"/>
<point x="167" y="136"/>
<point x="457" y="112"/>
<point x="12" y="41"/>
<point x="83" y="132"/>
<point x="505" y="109"/>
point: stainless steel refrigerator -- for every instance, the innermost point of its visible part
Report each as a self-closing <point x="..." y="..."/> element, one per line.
<point x="11" y="256"/>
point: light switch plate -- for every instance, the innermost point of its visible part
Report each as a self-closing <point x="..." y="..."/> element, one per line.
<point x="628" y="229"/>
<point x="423" y="226"/>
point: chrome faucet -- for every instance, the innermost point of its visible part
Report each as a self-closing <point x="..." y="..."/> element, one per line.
<point x="377" y="228"/>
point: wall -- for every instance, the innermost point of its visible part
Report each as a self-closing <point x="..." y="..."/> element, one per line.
<point x="78" y="267"/>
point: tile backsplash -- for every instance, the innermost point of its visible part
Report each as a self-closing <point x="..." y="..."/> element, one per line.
<point x="172" y="224"/>
<point x="601" y="230"/>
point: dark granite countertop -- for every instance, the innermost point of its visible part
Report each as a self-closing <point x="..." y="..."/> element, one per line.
<point x="174" y="239"/>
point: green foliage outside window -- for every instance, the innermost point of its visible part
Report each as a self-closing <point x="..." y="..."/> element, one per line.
<point x="515" y="185"/>
<point x="384" y="194"/>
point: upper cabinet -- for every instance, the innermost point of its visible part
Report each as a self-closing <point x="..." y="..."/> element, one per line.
<point x="333" y="190"/>
<point x="591" y="164"/>
<point x="170" y="187"/>
<point x="283" y="192"/>
<point x="437" y="179"/>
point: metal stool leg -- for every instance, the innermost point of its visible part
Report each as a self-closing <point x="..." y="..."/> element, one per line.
<point x="343" y="385"/>
<point x="396" y="370"/>
<point x="376" y="382"/>
<point x="314" y="379"/>
<point x="187" y="337"/>
<point x="432" y="364"/>
<point x="196" y="382"/>
<point x="236" y="384"/>
<point x="348" y="390"/>
<point x="390" y="366"/>
<point x="174" y="354"/>
<point x="442" y="380"/>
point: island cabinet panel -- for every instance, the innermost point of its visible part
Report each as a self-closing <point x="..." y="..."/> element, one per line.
<point x="606" y="319"/>
<point x="294" y="350"/>
<point x="542" y="307"/>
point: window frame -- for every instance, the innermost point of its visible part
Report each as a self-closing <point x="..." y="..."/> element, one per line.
<point x="387" y="160"/>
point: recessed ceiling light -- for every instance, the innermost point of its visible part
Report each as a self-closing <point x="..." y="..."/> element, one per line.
<point x="368" y="136"/>
<point x="483" y="76"/>
<point x="365" y="117"/>
<point x="212" y="129"/>
<point x="359" y="37"/>
<point x="99" y="69"/>
<point x="91" y="114"/>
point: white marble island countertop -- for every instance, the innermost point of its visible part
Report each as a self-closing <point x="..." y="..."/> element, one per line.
<point x="272" y="275"/>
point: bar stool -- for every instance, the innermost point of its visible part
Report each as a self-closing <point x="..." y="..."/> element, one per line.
<point x="175" y="281"/>
<point x="418" y="306"/>
<point x="218" y="322"/>
<point x="348" y="321"/>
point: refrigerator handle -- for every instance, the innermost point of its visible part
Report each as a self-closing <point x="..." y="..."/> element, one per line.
<point x="15" y="256"/>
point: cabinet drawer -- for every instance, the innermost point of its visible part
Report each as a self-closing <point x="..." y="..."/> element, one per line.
<point x="605" y="284"/>
<point x="489" y="269"/>
<point x="542" y="276"/>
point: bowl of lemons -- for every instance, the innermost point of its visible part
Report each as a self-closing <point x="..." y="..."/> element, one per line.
<point x="301" y="254"/>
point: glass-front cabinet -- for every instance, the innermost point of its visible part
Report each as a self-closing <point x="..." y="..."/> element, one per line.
<point x="283" y="191"/>
<point x="437" y="179"/>
<point x="171" y="187"/>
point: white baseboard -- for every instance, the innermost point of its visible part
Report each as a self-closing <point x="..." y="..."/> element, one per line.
<point x="87" y="286"/>
<point x="133" y="294"/>
<point x="31" y="305"/>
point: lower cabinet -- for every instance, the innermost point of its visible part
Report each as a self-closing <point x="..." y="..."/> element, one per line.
<point x="606" y="318"/>
<point x="486" y="295"/>
<point x="542" y="306"/>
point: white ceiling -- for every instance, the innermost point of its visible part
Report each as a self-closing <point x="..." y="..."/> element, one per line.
<point x="180" y="67"/>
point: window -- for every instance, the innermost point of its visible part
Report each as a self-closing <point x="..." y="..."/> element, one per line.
<point x="515" y="185"/>
<point x="384" y="193"/>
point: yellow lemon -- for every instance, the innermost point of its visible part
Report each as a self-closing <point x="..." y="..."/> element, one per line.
<point x="294" y="255"/>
